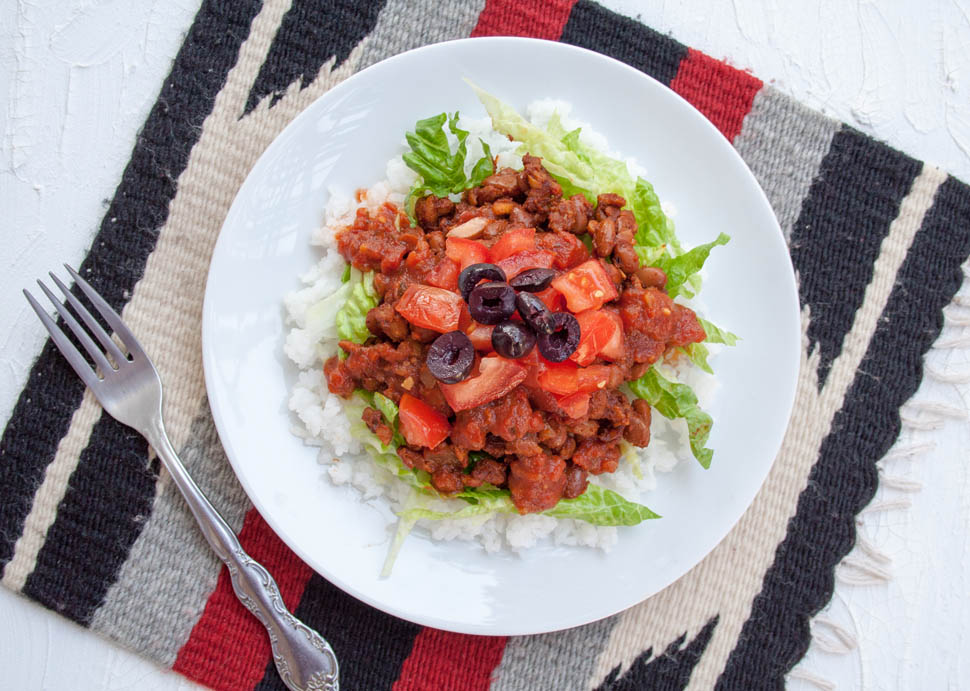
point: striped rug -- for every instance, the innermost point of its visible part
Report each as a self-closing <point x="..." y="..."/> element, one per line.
<point x="90" y="528"/>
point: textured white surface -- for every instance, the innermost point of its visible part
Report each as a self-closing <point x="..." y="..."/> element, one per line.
<point x="77" y="80"/>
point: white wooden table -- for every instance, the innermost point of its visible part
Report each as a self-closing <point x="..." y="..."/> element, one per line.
<point x="76" y="83"/>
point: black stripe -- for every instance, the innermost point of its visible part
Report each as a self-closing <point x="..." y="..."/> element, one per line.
<point x="843" y="480"/>
<point x="127" y="236"/>
<point x="597" y="28"/>
<point x="109" y="497"/>
<point x="370" y="646"/>
<point x="667" y="672"/>
<point x="843" y="221"/>
<point x="312" y="32"/>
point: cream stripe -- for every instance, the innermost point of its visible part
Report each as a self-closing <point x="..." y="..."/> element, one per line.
<point x="50" y="493"/>
<point x="726" y="582"/>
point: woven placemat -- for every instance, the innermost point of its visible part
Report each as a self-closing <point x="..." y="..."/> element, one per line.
<point x="90" y="529"/>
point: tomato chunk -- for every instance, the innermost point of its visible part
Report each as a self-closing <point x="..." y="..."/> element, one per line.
<point x="497" y="376"/>
<point x="466" y="252"/>
<point x="567" y="249"/>
<point x="587" y="287"/>
<point x="592" y="378"/>
<point x="432" y="308"/>
<point x="598" y="330"/>
<point x="552" y="299"/>
<point x="574" y="405"/>
<point x="481" y="336"/>
<point x="515" y="264"/>
<point x="558" y="377"/>
<point x="444" y="275"/>
<point x="421" y="424"/>
<point x="614" y="350"/>
<point x="512" y="242"/>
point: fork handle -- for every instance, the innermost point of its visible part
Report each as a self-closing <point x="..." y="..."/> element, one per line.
<point x="305" y="661"/>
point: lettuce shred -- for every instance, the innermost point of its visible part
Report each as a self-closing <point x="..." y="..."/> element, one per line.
<point x="674" y="400"/>
<point x="441" y="170"/>
<point x="360" y="299"/>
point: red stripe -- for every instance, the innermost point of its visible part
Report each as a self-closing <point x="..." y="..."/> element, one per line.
<point x="517" y="18"/>
<point x="724" y="94"/>
<point x="228" y="648"/>
<point x="442" y="660"/>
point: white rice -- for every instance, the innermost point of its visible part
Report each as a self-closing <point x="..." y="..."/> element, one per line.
<point x="324" y="423"/>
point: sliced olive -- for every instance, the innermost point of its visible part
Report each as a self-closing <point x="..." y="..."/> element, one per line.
<point x="450" y="357"/>
<point x="533" y="280"/>
<point x="471" y="275"/>
<point x="513" y="339"/>
<point x="560" y="344"/>
<point x="534" y="312"/>
<point x="491" y="302"/>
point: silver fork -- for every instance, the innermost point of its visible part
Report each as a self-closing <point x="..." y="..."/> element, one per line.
<point x="129" y="388"/>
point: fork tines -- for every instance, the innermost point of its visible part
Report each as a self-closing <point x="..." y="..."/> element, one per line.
<point x="100" y="356"/>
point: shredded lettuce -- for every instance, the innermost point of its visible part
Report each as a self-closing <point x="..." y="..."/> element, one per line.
<point x="321" y="317"/>
<point x="385" y="455"/>
<point x="601" y="506"/>
<point x="597" y="505"/>
<point x="654" y="229"/>
<point x="674" y="400"/>
<point x="698" y="354"/>
<point x="360" y="299"/>
<point x="578" y="168"/>
<point x="442" y="171"/>
<point x="679" y="269"/>
<point x="716" y="334"/>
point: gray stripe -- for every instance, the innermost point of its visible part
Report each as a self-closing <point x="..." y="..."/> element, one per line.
<point x="783" y="143"/>
<point x="164" y="584"/>
<point x="560" y="660"/>
<point x="397" y="30"/>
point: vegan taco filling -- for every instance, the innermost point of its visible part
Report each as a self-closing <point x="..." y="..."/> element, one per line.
<point x="504" y="333"/>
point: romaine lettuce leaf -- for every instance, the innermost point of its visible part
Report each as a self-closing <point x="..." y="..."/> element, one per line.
<point x="384" y="455"/>
<point x="654" y="229"/>
<point x="442" y="171"/>
<point x="716" y="334"/>
<point x="360" y="299"/>
<point x="596" y="505"/>
<point x="578" y="168"/>
<point x="674" y="400"/>
<point x="680" y="268"/>
<point x="698" y="354"/>
<point x="601" y="506"/>
<point x="488" y="500"/>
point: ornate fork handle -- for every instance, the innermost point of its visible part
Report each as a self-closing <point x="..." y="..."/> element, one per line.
<point x="305" y="661"/>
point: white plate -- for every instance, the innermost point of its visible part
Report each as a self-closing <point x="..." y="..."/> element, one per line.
<point x="345" y="138"/>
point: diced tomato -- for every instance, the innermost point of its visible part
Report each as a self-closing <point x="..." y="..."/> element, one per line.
<point x="532" y="259"/>
<point x="586" y="287"/>
<point x="565" y="378"/>
<point x="598" y="330"/>
<point x="433" y="308"/>
<point x="592" y="378"/>
<point x="558" y="377"/>
<point x="574" y="405"/>
<point x="567" y="249"/>
<point x="497" y="376"/>
<point x="481" y="336"/>
<point x="421" y="424"/>
<point x="466" y="252"/>
<point x="444" y="275"/>
<point x="614" y="350"/>
<point x="513" y="241"/>
<point x="465" y="317"/>
<point x="552" y="299"/>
